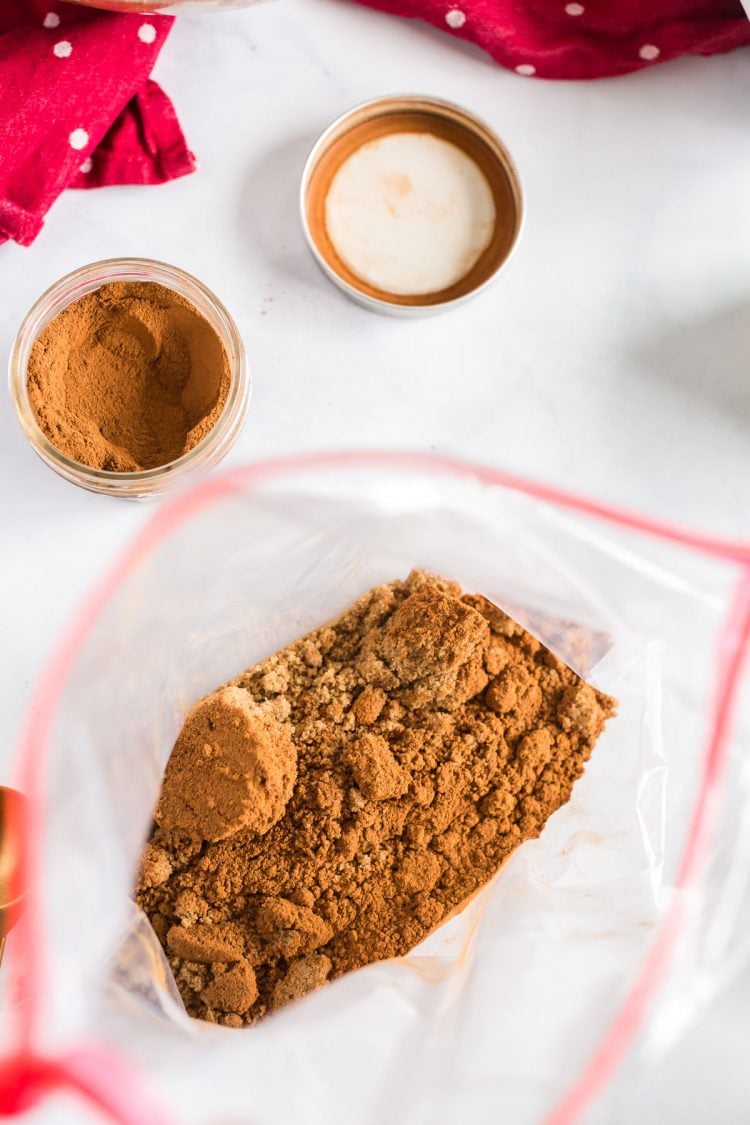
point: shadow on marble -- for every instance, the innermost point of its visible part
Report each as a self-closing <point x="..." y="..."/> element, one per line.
<point x="420" y="29"/>
<point x="269" y="220"/>
<point x="707" y="358"/>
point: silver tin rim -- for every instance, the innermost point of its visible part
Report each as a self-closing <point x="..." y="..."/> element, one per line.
<point x="430" y="104"/>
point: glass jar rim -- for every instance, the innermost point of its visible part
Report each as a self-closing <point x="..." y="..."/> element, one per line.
<point x="86" y="279"/>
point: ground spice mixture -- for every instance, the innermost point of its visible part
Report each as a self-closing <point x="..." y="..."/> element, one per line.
<point x="335" y="802"/>
<point x="129" y="377"/>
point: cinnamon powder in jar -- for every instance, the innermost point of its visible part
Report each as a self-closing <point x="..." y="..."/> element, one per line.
<point x="339" y="800"/>
<point x="129" y="377"/>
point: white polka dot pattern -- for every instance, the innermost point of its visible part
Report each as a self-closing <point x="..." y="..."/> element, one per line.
<point x="87" y="165"/>
<point x="51" y="20"/>
<point x="63" y="49"/>
<point x="147" y="33"/>
<point x="526" y="69"/>
<point x="574" y="9"/>
<point x="649" y="52"/>
<point x="78" y="139"/>
<point x="455" y="18"/>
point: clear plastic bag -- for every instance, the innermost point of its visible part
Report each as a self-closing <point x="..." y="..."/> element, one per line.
<point x="521" y="1007"/>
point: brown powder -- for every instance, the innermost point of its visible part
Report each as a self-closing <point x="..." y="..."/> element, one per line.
<point x="232" y="768"/>
<point x="129" y="377"/>
<point x="429" y="736"/>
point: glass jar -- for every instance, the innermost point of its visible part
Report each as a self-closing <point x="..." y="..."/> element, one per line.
<point x="146" y="482"/>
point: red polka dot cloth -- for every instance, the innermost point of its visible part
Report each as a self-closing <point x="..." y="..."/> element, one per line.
<point x="78" y="109"/>
<point x="590" y="39"/>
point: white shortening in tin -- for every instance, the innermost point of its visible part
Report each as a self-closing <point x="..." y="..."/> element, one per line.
<point x="410" y="213"/>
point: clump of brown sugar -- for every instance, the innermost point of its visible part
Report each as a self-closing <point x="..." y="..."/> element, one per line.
<point x="128" y="377"/>
<point x="231" y="769"/>
<point x="337" y="801"/>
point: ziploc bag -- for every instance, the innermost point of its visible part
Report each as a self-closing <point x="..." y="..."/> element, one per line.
<point x="521" y="1007"/>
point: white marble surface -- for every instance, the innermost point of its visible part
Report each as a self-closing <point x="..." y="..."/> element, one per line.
<point x="613" y="357"/>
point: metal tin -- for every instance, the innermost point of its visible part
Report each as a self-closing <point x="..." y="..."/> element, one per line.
<point x="470" y="134"/>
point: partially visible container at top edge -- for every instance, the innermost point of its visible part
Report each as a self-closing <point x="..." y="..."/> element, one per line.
<point x="146" y="482"/>
<point x="164" y="7"/>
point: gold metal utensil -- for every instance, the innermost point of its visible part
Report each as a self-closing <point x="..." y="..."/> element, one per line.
<point x="12" y="810"/>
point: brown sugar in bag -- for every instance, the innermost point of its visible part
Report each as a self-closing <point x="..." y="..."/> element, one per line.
<point x="337" y="801"/>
